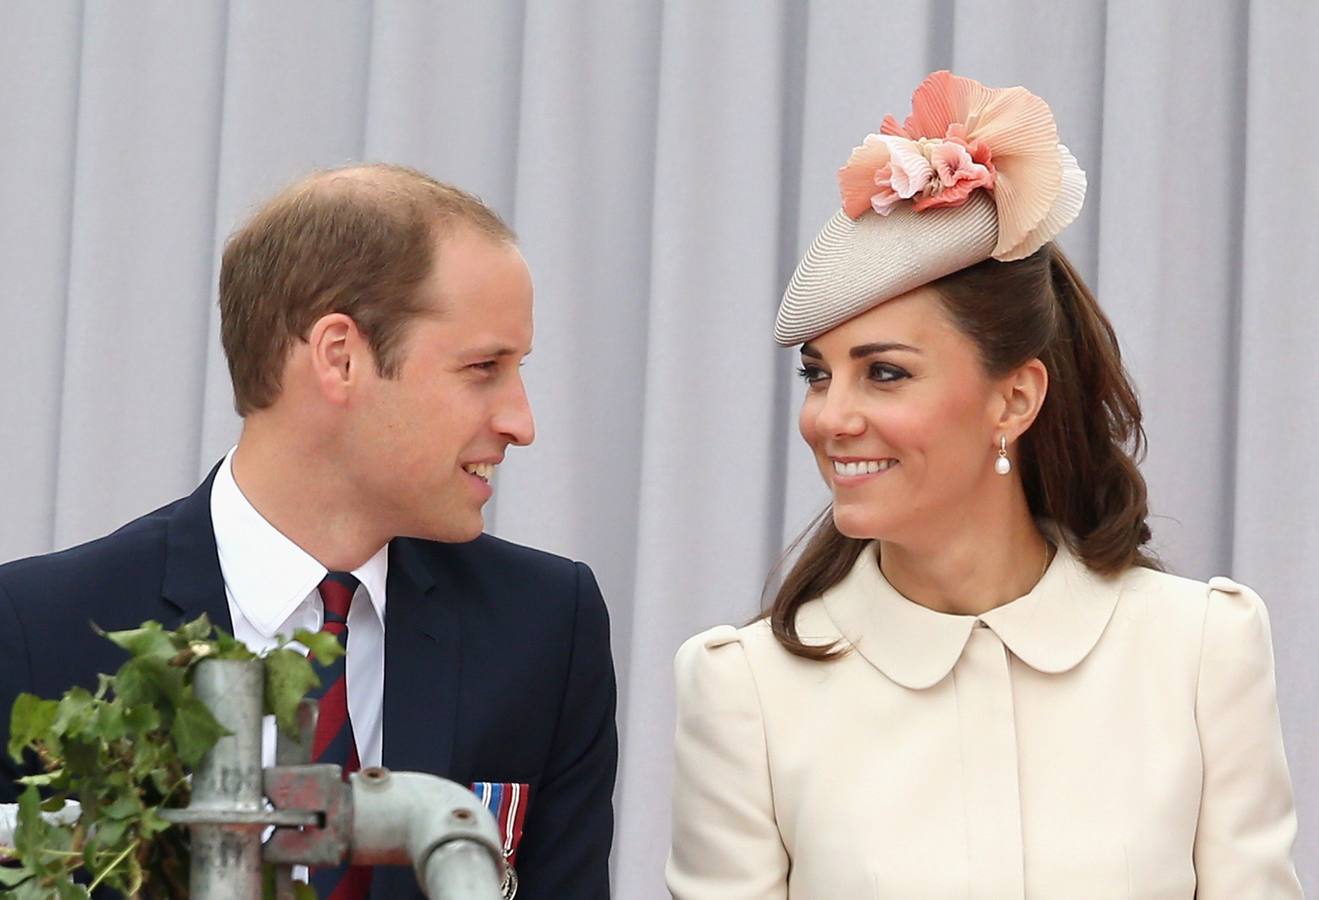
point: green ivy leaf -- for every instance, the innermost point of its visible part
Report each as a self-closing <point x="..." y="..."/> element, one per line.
<point x="109" y="834"/>
<point x="126" y="752"/>
<point x="146" y="642"/>
<point x="151" y="682"/>
<point x="110" y="724"/>
<point x="199" y="629"/>
<point x="152" y="823"/>
<point x="34" y="837"/>
<point x="43" y="779"/>
<point x="139" y="720"/>
<point x="30" y="719"/>
<point x="70" y="891"/>
<point x="289" y="676"/>
<point x="82" y="757"/>
<point x="231" y="648"/>
<point x="324" y="647"/>
<point x="75" y="714"/>
<point x="53" y="803"/>
<point x="195" y="731"/>
<point x="123" y="806"/>
<point x="11" y="877"/>
<point x="37" y="889"/>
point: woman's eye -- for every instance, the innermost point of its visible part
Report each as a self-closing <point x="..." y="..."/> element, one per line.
<point x="811" y="374"/>
<point x="887" y="372"/>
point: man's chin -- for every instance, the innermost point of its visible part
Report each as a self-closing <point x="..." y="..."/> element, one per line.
<point x="451" y="532"/>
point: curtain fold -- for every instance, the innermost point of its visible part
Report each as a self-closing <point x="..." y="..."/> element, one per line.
<point x="664" y="164"/>
<point x="40" y="56"/>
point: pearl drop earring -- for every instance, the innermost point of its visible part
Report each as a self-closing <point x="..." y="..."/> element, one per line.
<point x="1002" y="465"/>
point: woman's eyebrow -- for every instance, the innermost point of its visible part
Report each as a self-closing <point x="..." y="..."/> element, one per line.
<point x="864" y="350"/>
<point x="812" y="351"/>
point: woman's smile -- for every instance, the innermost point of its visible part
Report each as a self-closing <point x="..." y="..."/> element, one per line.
<point x="851" y="470"/>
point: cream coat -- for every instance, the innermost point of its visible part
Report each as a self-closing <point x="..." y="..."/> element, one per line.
<point x="1102" y="738"/>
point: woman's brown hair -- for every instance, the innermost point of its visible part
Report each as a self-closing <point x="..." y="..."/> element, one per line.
<point x="1077" y="460"/>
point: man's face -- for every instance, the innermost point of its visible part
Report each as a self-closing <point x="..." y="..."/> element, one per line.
<point x="432" y="436"/>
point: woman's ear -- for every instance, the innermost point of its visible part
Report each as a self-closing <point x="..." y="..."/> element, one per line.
<point x="1023" y="391"/>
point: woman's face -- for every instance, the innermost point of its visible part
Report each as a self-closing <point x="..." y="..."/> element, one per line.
<point x="902" y="419"/>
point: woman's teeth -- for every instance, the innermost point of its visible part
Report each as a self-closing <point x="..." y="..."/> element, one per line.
<point x="482" y="471"/>
<point x="864" y="467"/>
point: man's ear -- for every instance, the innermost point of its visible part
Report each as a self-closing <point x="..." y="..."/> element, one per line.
<point x="334" y="343"/>
<point x="1023" y="391"/>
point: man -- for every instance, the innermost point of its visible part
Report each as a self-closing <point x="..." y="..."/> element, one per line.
<point x="374" y="321"/>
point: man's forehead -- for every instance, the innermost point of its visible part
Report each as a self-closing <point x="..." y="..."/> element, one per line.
<point x="496" y="349"/>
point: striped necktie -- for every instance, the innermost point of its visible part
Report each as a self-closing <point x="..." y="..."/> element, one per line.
<point x="334" y="742"/>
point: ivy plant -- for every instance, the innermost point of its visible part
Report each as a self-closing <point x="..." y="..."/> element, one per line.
<point x="125" y="752"/>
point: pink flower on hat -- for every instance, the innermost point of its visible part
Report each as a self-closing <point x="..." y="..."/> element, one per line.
<point x="910" y="171"/>
<point x="884" y="198"/>
<point x="969" y="137"/>
<point x="858" y="179"/>
<point x="907" y="174"/>
<point x="958" y="175"/>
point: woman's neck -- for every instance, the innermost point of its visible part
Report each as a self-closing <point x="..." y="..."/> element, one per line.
<point x="971" y="568"/>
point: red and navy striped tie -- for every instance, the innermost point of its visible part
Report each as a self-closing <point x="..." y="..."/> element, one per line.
<point x="334" y="742"/>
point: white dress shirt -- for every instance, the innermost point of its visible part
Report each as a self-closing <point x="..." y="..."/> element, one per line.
<point x="271" y="585"/>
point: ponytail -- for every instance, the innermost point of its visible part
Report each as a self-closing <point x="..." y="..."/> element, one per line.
<point x="1079" y="458"/>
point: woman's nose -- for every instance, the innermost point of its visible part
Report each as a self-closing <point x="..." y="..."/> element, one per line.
<point x="839" y="414"/>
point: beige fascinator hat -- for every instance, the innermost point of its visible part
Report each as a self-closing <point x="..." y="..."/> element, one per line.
<point x="974" y="173"/>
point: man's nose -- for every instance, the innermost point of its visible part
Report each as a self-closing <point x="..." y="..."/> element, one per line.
<point x="514" y="419"/>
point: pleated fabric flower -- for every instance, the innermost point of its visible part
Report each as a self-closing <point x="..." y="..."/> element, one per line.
<point x="962" y="137"/>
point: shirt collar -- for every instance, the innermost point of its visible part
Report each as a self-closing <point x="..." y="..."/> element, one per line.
<point x="267" y="575"/>
<point x="1051" y="629"/>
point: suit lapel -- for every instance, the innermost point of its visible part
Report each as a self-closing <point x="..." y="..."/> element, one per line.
<point x="422" y="630"/>
<point x="193" y="583"/>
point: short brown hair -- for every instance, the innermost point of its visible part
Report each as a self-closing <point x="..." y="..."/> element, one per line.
<point x="356" y="240"/>
<point x="1078" y="459"/>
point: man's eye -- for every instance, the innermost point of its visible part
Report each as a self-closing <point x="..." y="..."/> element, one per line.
<point x="887" y="372"/>
<point x="488" y="366"/>
<point x="811" y="374"/>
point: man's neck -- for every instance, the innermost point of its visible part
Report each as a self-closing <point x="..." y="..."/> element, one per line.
<point x="974" y="565"/>
<point x="306" y="497"/>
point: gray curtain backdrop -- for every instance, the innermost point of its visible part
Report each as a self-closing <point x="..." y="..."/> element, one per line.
<point x="664" y="164"/>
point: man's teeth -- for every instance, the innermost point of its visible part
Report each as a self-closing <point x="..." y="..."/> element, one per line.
<point x="480" y="470"/>
<point x="865" y="467"/>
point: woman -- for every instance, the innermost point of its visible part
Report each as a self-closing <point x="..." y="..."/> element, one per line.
<point x="975" y="681"/>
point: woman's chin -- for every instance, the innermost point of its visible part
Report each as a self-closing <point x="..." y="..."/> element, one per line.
<point x="857" y="523"/>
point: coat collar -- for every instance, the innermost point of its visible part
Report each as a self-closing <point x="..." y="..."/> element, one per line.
<point x="422" y="661"/>
<point x="1051" y="629"/>
<point x="192" y="581"/>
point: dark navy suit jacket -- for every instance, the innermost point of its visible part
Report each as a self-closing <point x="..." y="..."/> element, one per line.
<point x="497" y="668"/>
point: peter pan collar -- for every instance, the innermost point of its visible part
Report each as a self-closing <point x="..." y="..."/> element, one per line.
<point x="1051" y="629"/>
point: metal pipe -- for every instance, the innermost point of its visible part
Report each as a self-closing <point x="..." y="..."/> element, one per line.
<point x="438" y="826"/>
<point x="226" y="857"/>
<point x="294" y="751"/>
<point x="380" y="818"/>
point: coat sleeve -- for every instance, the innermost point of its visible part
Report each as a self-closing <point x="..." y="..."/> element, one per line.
<point x="570" y="825"/>
<point x="1247" y="823"/>
<point x="15" y="678"/>
<point x="726" y="842"/>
